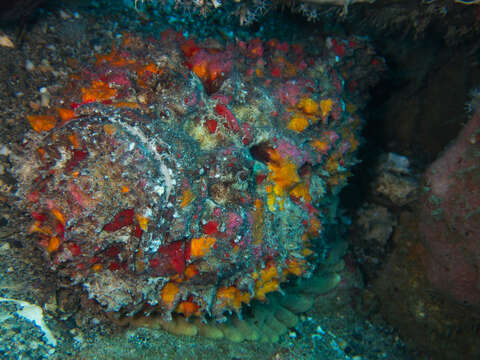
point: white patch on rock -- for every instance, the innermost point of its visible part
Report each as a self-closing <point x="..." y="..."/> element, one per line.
<point x="33" y="313"/>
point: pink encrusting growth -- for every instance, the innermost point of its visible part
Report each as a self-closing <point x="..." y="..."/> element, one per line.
<point x="288" y="93"/>
<point x="287" y="149"/>
<point x="230" y="122"/>
<point x="451" y="219"/>
<point x="234" y="221"/>
<point x="80" y="197"/>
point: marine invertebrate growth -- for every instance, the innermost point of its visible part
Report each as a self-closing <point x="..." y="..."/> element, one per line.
<point x="450" y="216"/>
<point x="169" y="179"/>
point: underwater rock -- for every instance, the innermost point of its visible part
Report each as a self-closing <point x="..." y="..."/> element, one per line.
<point x="264" y="321"/>
<point x="370" y="236"/>
<point x="18" y="11"/>
<point x="395" y="186"/>
<point x="450" y="217"/>
<point x="177" y="177"/>
<point x="394" y="182"/>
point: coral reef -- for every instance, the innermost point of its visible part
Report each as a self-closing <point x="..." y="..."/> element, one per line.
<point x="188" y="178"/>
<point x="450" y="214"/>
<point x="265" y="320"/>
